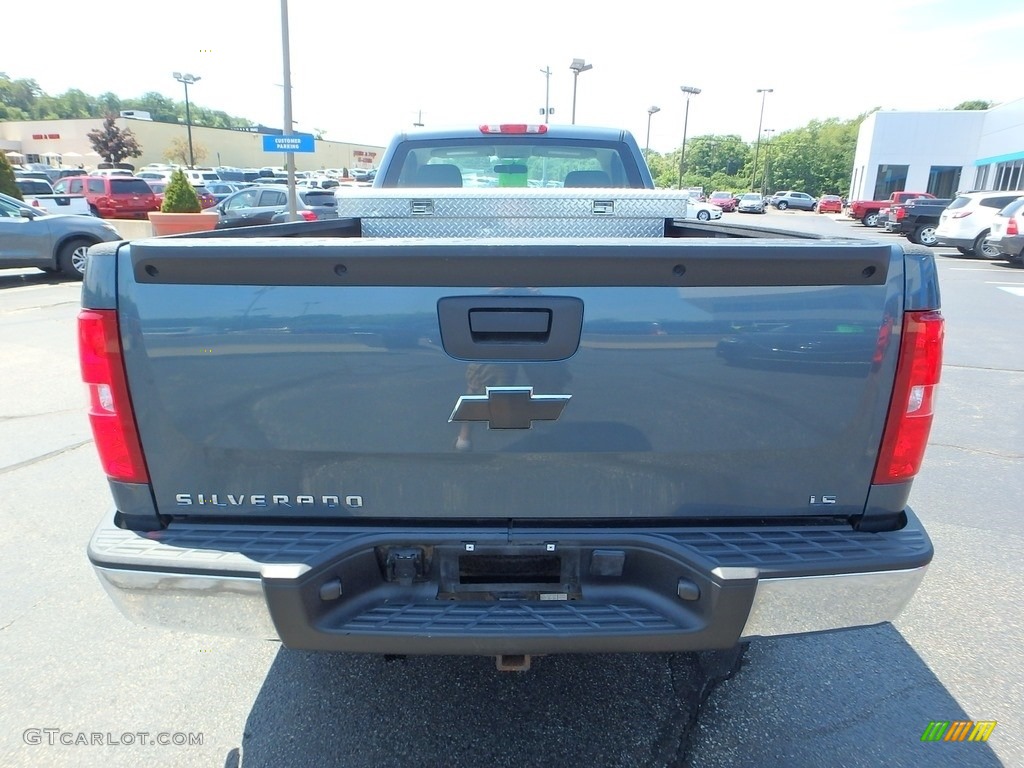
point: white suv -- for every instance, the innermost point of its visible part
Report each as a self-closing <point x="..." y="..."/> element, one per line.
<point x="966" y="221"/>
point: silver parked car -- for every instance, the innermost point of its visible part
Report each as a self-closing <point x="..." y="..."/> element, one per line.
<point x="1006" y="233"/>
<point x="751" y="202"/>
<point x="53" y="243"/>
<point x="789" y="199"/>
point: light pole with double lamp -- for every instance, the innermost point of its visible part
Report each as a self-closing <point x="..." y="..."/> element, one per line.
<point x="577" y="66"/>
<point x="650" y="113"/>
<point x="188" y="80"/>
<point x="689" y="90"/>
<point x="757" y="147"/>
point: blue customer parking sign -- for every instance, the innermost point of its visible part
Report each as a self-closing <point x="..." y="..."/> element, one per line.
<point x="296" y="142"/>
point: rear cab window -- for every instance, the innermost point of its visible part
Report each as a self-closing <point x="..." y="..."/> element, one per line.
<point x="516" y="161"/>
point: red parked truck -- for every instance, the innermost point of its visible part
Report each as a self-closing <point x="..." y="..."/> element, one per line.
<point x="867" y="210"/>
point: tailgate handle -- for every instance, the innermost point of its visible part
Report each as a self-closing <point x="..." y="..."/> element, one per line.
<point x="510" y="325"/>
<point x="511" y="328"/>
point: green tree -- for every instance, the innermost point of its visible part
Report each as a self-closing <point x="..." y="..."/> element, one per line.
<point x="180" y="196"/>
<point x="7" y="185"/>
<point x="973" y="104"/>
<point x="160" y="108"/>
<point x="112" y="143"/>
<point x="16" y="97"/>
<point x="24" y="99"/>
<point x="107" y="104"/>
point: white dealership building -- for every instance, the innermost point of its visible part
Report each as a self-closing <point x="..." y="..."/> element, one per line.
<point x="939" y="152"/>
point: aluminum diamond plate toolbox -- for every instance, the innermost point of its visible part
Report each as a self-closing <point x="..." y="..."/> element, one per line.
<point x="512" y="212"/>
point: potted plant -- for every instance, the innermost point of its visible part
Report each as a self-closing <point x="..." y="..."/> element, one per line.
<point x="181" y="210"/>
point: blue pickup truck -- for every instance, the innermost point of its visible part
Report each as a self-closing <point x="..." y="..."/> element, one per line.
<point x="506" y="421"/>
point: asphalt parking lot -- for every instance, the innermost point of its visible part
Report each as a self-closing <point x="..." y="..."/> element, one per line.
<point x="858" y="698"/>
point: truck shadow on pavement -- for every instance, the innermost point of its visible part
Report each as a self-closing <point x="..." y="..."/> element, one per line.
<point x="585" y="710"/>
<point x="859" y="698"/>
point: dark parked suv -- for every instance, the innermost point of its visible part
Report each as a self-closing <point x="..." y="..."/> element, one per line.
<point x="112" y="197"/>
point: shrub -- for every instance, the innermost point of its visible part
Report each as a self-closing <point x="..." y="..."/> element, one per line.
<point x="180" y="196"/>
<point x="7" y="185"/>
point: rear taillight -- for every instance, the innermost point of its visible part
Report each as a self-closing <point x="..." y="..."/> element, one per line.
<point x="513" y="128"/>
<point x="961" y="214"/>
<point x="1011" y="227"/>
<point x="308" y="215"/>
<point x="110" y="412"/>
<point x="900" y="213"/>
<point x="913" y="399"/>
<point x="36" y="204"/>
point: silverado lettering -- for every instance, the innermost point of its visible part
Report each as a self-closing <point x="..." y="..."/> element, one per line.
<point x="260" y="500"/>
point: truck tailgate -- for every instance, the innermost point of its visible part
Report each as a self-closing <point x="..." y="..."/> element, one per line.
<point x="628" y="379"/>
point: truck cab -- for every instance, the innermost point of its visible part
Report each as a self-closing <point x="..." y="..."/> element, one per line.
<point x="515" y="155"/>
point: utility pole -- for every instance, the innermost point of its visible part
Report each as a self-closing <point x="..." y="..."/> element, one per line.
<point x="547" y="92"/>
<point x="289" y="157"/>
<point x="689" y="90"/>
<point x="757" y="148"/>
<point x="767" y="159"/>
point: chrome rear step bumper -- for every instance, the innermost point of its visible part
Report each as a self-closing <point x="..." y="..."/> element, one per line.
<point x="489" y="591"/>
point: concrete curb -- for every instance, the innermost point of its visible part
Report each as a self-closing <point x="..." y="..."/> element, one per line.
<point x="132" y="229"/>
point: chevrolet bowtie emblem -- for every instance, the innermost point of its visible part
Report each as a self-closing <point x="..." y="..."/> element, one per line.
<point x="509" y="407"/>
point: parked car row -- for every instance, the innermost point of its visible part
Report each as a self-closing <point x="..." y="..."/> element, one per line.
<point x="986" y="224"/>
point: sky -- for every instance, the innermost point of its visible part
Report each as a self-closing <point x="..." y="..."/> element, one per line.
<point x="362" y="71"/>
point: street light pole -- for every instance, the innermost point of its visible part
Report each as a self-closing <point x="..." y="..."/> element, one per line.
<point x="767" y="159"/>
<point x="577" y="66"/>
<point x="187" y="80"/>
<point x="757" y="148"/>
<point x="689" y="91"/>
<point x="547" y="93"/>
<point x="650" y="113"/>
<point x="289" y="157"/>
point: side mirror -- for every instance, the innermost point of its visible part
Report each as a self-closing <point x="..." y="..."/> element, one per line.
<point x="27" y="214"/>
